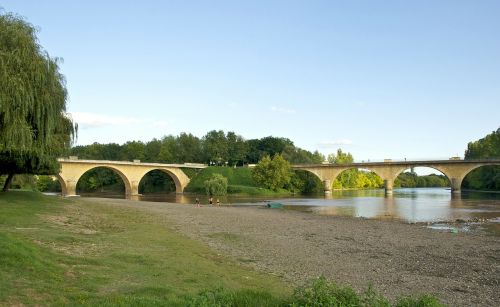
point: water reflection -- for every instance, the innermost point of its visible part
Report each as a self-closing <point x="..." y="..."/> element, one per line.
<point x="410" y="205"/>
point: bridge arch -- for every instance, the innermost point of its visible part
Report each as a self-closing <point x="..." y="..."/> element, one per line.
<point x="442" y="171"/>
<point x="62" y="183"/>
<point x="179" y="186"/>
<point x="360" y="169"/>
<point x="68" y="185"/>
<point x="475" y="167"/>
<point x="117" y="171"/>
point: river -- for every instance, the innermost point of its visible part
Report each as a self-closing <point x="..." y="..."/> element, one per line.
<point x="436" y="206"/>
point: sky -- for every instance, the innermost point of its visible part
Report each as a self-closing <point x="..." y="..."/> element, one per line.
<point x="379" y="79"/>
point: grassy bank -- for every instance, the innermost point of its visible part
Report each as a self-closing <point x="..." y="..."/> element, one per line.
<point x="59" y="251"/>
<point x="56" y="251"/>
<point x="239" y="180"/>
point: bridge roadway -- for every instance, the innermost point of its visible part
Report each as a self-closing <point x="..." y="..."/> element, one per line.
<point x="455" y="170"/>
<point x="132" y="172"/>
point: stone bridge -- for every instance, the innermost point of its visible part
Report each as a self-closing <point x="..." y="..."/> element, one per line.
<point x="455" y="170"/>
<point x="130" y="172"/>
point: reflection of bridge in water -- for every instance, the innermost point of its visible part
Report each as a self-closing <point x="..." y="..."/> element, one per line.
<point x="132" y="172"/>
<point x="455" y="170"/>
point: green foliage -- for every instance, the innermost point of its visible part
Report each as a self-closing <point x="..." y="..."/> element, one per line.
<point x="305" y="182"/>
<point x="191" y="172"/>
<point x="353" y="178"/>
<point x="34" y="129"/>
<point x="297" y="155"/>
<point x="412" y="180"/>
<point x="216" y="185"/>
<point x="215" y="147"/>
<point x="269" y="146"/>
<point x="325" y="293"/>
<point x="272" y="174"/>
<point x="46" y="183"/>
<point x="240" y="181"/>
<point x="483" y="178"/>
<point x="240" y="176"/>
<point x="357" y="179"/>
<point x="221" y="297"/>
<point x="340" y="158"/>
<point x="486" y="177"/>
<point x="156" y="182"/>
<point x="100" y="179"/>
<point x="23" y="181"/>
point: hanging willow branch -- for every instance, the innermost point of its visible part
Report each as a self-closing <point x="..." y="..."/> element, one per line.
<point x="34" y="126"/>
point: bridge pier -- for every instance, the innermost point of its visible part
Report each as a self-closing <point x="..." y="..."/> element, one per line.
<point x="456" y="184"/>
<point x="69" y="188"/>
<point x="133" y="192"/>
<point x="327" y="185"/>
<point x="388" y="185"/>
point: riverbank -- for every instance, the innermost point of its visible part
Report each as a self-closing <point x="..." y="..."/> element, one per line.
<point x="74" y="252"/>
<point x="397" y="258"/>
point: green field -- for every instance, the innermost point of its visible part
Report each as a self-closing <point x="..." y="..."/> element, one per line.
<point x="60" y="251"/>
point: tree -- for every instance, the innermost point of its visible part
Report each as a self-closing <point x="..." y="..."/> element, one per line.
<point x="340" y="158"/>
<point x="215" y="147"/>
<point x="237" y="149"/>
<point x="188" y="148"/>
<point x="486" y="177"/>
<point x="273" y="173"/>
<point x="134" y="150"/>
<point x="298" y="155"/>
<point x="34" y="128"/>
<point x="152" y="150"/>
<point x="216" y="185"/>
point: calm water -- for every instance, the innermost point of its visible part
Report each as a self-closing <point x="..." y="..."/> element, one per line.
<point x="409" y="205"/>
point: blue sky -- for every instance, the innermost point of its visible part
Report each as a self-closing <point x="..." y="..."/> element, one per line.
<point x="380" y="79"/>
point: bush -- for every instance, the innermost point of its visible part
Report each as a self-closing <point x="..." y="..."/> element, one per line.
<point x="325" y="293"/>
<point x="422" y="301"/>
<point x="216" y="185"/>
<point x="46" y="183"/>
<point x="272" y="174"/>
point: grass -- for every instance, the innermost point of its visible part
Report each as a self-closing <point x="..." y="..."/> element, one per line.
<point x="56" y="251"/>
<point x="60" y="251"/>
<point x="239" y="179"/>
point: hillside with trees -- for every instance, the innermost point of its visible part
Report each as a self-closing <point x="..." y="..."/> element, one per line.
<point x="487" y="177"/>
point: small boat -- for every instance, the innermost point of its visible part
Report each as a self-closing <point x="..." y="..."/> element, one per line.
<point x="274" y="205"/>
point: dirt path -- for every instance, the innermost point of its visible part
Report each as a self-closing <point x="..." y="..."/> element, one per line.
<point x="461" y="269"/>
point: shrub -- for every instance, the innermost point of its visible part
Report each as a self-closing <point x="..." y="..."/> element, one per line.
<point x="216" y="185"/>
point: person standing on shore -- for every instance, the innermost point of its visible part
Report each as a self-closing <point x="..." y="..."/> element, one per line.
<point x="218" y="203"/>
<point x="211" y="201"/>
<point x="197" y="201"/>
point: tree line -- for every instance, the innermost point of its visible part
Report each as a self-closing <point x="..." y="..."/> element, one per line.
<point x="214" y="148"/>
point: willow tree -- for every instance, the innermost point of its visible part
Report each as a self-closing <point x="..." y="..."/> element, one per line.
<point x="34" y="127"/>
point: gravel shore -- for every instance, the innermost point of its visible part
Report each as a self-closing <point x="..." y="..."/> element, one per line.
<point x="461" y="269"/>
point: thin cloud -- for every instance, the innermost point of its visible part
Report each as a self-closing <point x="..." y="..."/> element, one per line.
<point x="281" y="110"/>
<point x="94" y="120"/>
<point x="342" y="142"/>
